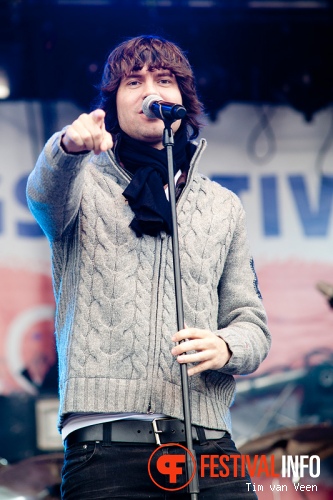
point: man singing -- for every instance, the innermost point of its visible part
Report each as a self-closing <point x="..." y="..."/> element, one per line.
<point x="99" y="192"/>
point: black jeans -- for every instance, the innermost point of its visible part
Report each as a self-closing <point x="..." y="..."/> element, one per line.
<point x="95" y="471"/>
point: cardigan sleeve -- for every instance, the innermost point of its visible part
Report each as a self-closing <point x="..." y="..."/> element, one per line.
<point x="54" y="188"/>
<point x="242" y="320"/>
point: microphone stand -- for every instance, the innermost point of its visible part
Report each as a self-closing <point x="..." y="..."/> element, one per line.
<point x="168" y="143"/>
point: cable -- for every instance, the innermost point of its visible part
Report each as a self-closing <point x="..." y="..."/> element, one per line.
<point x="263" y="127"/>
<point x="324" y="148"/>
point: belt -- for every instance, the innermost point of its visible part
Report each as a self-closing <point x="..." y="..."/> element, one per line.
<point x="159" y="431"/>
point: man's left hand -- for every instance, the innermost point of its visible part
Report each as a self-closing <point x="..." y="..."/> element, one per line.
<point x="211" y="351"/>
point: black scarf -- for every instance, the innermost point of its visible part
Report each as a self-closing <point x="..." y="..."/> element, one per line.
<point x="145" y="193"/>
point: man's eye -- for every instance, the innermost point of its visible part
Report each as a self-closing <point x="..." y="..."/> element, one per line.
<point x="133" y="83"/>
<point x="165" y="81"/>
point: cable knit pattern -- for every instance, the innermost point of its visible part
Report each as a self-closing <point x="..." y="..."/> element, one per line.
<point x="115" y="292"/>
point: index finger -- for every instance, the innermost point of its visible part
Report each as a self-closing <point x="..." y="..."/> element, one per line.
<point x="186" y="333"/>
<point x="98" y="116"/>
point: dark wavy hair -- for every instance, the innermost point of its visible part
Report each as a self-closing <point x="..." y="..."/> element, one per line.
<point x="156" y="53"/>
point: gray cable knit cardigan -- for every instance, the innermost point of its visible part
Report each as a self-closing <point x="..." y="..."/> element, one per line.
<point x="115" y="292"/>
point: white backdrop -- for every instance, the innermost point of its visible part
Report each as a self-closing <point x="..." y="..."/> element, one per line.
<point x="282" y="169"/>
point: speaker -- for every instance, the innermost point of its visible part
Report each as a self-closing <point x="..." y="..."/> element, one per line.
<point x="318" y="393"/>
<point x="18" y="427"/>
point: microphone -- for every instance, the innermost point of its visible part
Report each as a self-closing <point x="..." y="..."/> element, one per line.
<point x="154" y="107"/>
<point x="327" y="290"/>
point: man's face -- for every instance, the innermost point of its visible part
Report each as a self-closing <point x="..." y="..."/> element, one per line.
<point x="132" y="91"/>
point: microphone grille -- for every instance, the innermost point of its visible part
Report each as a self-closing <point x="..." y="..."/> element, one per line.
<point x="147" y="102"/>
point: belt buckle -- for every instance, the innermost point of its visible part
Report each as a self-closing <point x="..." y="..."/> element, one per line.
<point x="157" y="432"/>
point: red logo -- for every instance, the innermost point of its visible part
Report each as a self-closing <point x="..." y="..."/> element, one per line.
<point x="170" y="467"/>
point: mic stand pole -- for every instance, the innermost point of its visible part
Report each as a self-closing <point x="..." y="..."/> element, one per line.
<point x="191" y="468"/>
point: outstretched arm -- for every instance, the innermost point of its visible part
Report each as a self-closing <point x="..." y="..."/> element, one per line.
<point x="55" y="185"/>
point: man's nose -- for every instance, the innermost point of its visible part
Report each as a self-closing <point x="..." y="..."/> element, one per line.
<point x="149" y="88"/>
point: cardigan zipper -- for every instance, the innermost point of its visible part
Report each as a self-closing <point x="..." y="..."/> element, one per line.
<point x="156" y="336"/>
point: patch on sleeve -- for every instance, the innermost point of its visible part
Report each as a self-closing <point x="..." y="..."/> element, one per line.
<point x="255" y="279"/>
